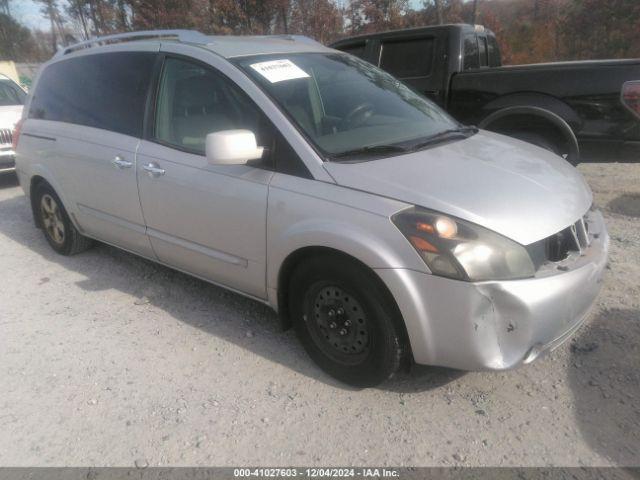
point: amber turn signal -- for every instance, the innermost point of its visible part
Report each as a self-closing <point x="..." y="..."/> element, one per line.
<point x="422" y="245"/>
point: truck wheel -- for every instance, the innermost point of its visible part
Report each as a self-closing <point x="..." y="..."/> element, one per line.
<point x="58" y="229"/>
<point x="537" y="126"/>
<point x="344" y="321"/>
<point x="538" y="140"/>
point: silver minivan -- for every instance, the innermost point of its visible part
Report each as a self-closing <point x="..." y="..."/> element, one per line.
<point x="377" y="226"/>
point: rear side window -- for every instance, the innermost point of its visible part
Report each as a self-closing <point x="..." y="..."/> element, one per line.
<point x="106" y="91"/>
<point x="356" y="50"/>
<point x="10" y="94"/>
<point x="482" y="44"/>
<point x="470" y="52"/>
<point x="494" y="52"/>
<point x="408" y="58"/>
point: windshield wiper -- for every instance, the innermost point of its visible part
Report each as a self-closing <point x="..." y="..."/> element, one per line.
<point x="371" y="150"/>
<point x="382" y="149"/>
<point x="443" y="136"/>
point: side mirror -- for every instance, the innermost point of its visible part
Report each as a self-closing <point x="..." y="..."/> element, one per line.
<point x="232" y="147"/>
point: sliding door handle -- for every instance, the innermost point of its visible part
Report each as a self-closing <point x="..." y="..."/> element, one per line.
<point x="121" y="162"/>
<point x="153" y="169"/>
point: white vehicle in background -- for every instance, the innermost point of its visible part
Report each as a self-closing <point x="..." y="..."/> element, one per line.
<point x="12" y="99"/>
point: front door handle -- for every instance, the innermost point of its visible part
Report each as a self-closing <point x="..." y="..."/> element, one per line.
<point x="153" y="169"/>
<point x="121" y="162"/>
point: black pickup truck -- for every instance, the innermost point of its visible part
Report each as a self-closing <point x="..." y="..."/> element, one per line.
<point x="583" y="110"/>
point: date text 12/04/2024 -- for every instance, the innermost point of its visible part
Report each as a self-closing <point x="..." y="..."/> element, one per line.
<point x="316" y="472"/>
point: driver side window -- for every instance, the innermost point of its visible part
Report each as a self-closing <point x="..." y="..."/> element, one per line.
<point x="194" y="101"/>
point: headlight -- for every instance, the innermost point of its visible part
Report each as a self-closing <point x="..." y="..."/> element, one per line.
<point x="458" y="249"/>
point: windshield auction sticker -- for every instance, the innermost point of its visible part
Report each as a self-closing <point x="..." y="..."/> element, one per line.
<point x="279" y="70"/>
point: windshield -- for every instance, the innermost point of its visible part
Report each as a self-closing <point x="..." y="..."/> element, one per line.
<point x="10" y="94"/>
<point x="345" y="106"/>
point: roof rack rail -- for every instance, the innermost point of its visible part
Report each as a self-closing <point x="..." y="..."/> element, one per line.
<point x="187" y="36"/>
<point x="294" y="38"/>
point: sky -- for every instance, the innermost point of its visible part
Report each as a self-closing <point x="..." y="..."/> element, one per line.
<point x="28" y="13"/>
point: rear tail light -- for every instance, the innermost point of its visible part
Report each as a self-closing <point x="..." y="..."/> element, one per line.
<point x="16" y="135"/>
<point x="631" y="96"/>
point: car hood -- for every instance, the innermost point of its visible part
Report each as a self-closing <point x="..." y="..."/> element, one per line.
<point x="513" y="188"/>
<point x="9" y="115"/>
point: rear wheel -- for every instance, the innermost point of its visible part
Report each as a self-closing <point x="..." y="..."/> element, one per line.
<point x="550" y="142"/>
<point x="539" y="140"/>
<point x="58" y="229"/>
<point x="537" y="126"/>
<point x="346" y="321"/>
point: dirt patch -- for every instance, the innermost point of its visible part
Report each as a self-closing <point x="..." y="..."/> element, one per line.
<point x="627" y="204"/>
<point x="604" y="375"/>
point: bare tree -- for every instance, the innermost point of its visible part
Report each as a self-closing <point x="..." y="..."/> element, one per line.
<point x="284" y="16"/>
<point x="4" y="7"/>
<point x="76" y="10"/>
<point x="121" y="14"/>
<point x="438" y="4"/>
<point x="51" y="10"/>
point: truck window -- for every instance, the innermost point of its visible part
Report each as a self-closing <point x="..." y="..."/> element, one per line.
<point x="470" y="51"/>
<point x="343" y="104"/>
<point x="494" y="52"/>
<point x="408" y="58"/>
<point x="355" y="49"/>
<point x="482" y="44"/>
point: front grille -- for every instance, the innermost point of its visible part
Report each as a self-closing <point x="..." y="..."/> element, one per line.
<point x="572" y="239"/>
<point x="559" y="246"/>
<point x="6" y="136"/>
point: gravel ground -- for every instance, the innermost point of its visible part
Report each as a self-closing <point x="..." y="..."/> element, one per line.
<point x="108" y="359"/>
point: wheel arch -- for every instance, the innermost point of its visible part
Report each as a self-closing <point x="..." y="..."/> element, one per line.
<point x="302" y="254"/>
<point x="533" y="119"/>
<point x="535" y="100"/>
<point x="41" y="175"/>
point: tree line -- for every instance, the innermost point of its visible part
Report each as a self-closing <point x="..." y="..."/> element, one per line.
<point x="528" y="31"/>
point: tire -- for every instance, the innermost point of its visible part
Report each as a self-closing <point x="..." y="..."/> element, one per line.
<point x="346" y="321"/>
<point x="538" y="140"/>
<point x="58" y="229"/>
<point x="543" y="142"/>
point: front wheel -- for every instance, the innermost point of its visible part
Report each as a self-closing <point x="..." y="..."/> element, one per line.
<point x="346" y="321"/>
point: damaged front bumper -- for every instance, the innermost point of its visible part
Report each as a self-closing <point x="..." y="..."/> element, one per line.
<point x="501" y="324"/>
